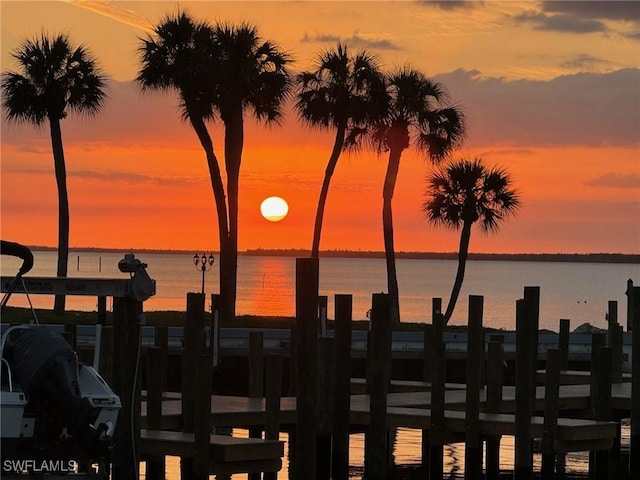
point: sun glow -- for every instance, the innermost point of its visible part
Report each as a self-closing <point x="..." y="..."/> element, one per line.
<point x="274" y="209"/>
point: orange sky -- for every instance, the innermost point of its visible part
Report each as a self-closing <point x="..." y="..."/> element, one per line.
<point x="551" y="92"/>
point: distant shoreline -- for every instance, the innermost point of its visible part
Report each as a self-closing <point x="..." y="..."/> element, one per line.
<point x="519" y="257"/>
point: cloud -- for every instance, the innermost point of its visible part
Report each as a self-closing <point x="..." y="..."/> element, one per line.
<point x="120" y="178"/>
<point x="356" y="39"/>
<point x="583" y="62"/>
<point x="560" y="23"/>
<point x="586" y="17"/>
<point x="608" y="10"/>
<point x="592" y="109"/>
<point x="453" y="4"/>
<point x="115" y="12"/>
<point x="615" y="180"/>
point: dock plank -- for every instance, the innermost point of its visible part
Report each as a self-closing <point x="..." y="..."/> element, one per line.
<point x="223" y="448"/>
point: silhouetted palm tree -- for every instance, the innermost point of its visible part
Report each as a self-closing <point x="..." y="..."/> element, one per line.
<point x="181" y="56"/>
<point x="252" y="76"/>
<point x="54" y="78"/>
<point x="344" y="93"/>
<point x="463" y="193"/>
<point x="224" y="70"/>
<point x="418" y="114"/>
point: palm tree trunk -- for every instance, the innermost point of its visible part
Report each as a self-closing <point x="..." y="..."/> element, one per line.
<point x="324" y="191"/>
<point x="63" y="208"/>
<point x="463" y="252"/>
<point x="233" y="144"/>
<point x="219" y="197"/>
<point x="387" y="228"/>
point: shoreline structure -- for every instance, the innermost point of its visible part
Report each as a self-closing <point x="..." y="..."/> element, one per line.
<point x="629" y="258"/>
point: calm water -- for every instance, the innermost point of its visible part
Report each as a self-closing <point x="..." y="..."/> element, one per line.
<point x="266" y="285"/>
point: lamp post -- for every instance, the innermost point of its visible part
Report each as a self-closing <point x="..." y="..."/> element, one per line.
<point x="203" y="263"/>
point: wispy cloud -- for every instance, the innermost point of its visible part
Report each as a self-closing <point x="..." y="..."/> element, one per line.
<point x="615" y="180"/>
<point x="560" y="22"/>
<point x="453" y="4"/>
<point x="584" y="62"/>
<point x="357" y="40"/>
<point x="114" y="12"/>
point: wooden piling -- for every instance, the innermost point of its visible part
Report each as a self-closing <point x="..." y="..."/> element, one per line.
<point x="273" y="392"/>
<point x="155" y="469"/>
<point x="532" y="296"/>
<point x="563" y="342"/>
<point x="102" y="310"/>
<point x="256" y="380"/>
<point x="427" y="369"/>
<point x="523" y="468"/>
<point x="551" y="411"/>
<point x="438" y="429"/>
<point x="323" y="302"/>
<point x="161" y="341"/>
<point x="602" y="408"/>
<point x="633" y="320"/>
<point x="342" y="384"/>
<point x="475" y="360"/>
<point x="307" y="271"/>
<point x="325" y="392"/>
<point x="495" y="381"/>
<point x="106" y="354"/>
<point x="193" y="343"/>
<point x="126" y="332"/>
<point x="597" y="341"/>
<point x="202" y="415"/>
<point x="376" y="448"/>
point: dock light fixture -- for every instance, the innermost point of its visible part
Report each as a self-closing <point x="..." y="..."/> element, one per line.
<point x="204" y="264"/>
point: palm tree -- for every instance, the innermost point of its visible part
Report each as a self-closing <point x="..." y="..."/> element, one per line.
<point x="218" y="71"/>
<point x="54" y="78"/>
<point x="344" y="93"/>
<point x="418" y="114"/>
<point x="180" y="57"/>
<point x="251" y="76"/>
<point x="463" y="193"/>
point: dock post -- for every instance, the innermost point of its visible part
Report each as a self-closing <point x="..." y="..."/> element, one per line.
<point x="475" y="360"/>
<point x="563" y="342"/>
<point x="155" y="464"/>
<point x="202" y="414"/>
<point x="634" y="326"/>
<point x="193" y="343"/>
<point x="532" y="296"/>
<point x="273" y="392"/>
<point x="162" y="342"/>
<point x="342" y="383"/>
<point x="102" y="310"/>
<point x="597" y="341"/>
<point x="551" y="411"/>
<point x="106" y="354"/>
<point x="495" y="381"/>
<point x="126" y="333"/>
<point x="377" y="447"/>
<point x="602" y="408"/>
<point x="525" y="325"/>
<point x="256" y="380"/>
<point x="307" y="279"/>
<point x="325" y="392"/>
<point x="633" y="304"/>
<point x="427" y="369"/>
<point x="436" y="439"/>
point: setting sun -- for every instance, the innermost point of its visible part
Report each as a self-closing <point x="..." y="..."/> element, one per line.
<point x="274" y="209"/>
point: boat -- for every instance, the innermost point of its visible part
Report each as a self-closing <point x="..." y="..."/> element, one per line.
<point x="58" y="416"/>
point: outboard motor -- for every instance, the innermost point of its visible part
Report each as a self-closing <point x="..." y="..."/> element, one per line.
<point x="46" y="367"/>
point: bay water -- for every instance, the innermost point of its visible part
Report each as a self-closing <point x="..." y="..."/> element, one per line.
<point x="266" y="285"/>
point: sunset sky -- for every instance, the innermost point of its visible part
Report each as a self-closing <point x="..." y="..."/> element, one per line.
<point x="551" y="91"/>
